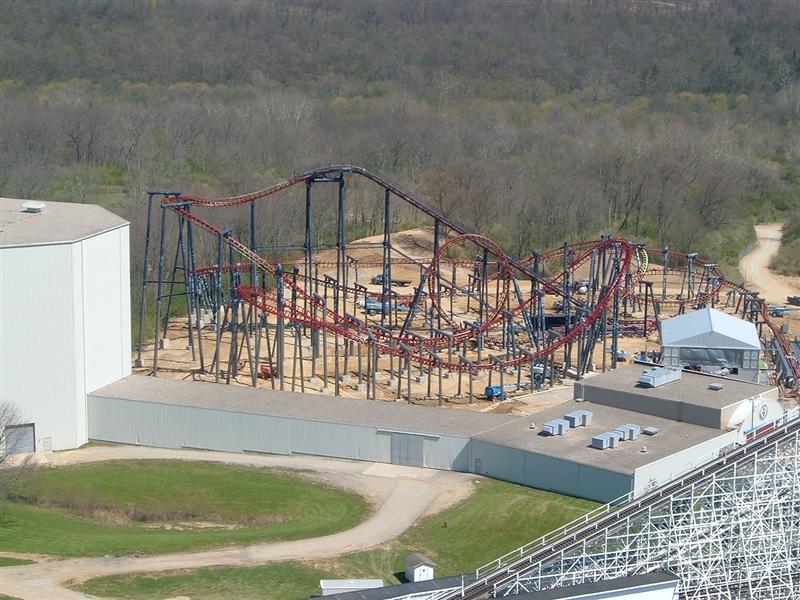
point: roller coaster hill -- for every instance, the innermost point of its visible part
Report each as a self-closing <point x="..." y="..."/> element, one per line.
<point x="376" y="318"/>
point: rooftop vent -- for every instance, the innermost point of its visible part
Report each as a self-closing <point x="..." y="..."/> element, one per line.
<point x="33" y="206"/>
<point x="556" y="427"/>
<point x="716" y="386"/>
<point x="658" y="376"/>
<point x="579" y="418"/>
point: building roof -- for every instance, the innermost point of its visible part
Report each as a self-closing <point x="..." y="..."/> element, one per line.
<point x="349" y="584"/>
<point x="575" y="446"/>
<point x="57" y="223"/>
<point x="692" y="388"/>
<point x="398" y="591"/>
<point x="709" y="327"/>
<point x="598" y="587"/>
<point x="386" y="416"/>
<point x="508" y="430"/>
<point x="416" y="559"/>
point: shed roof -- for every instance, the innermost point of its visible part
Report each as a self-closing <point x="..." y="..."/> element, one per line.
<point x="416" y="559"/>
<point x="57" y="223"/>
<point x="729" y="331"/>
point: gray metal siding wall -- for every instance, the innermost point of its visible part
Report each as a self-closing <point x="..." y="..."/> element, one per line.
<point x="175" y="426"/>
<point x="548" y="473"/>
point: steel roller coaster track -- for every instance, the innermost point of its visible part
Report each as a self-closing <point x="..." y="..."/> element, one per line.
<point x="261" y="287"/>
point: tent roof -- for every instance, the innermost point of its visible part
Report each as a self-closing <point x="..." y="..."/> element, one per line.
<point x="707" y="321"/>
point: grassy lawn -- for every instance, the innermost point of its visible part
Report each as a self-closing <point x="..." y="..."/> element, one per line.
<point x="119" y="507"/>
<point x="497" y="518"/>
<point x="11" y="562"/>
<point x="279" y="581"/>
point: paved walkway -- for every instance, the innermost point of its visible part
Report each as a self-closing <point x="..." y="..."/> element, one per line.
<point x="400" y="495"/>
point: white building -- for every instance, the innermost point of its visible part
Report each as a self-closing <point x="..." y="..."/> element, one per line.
<point x="64" y="314"/>
<point x="712" y="340"/>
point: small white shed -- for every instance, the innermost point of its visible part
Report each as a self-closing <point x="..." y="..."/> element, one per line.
<point x="419" y="568"/>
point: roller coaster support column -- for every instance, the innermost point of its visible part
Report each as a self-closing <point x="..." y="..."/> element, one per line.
<point x="531" y="361"/>
<point x="407" y="351"/>
<point x="484" y="295"/>
<point x="567" y="290"/>
<point x="279" y="335"/>
<point x="464" y="360"/>
<point x="323" y="301"/>
<point x="193" y="268"/>
<point x="218" y="318"/>
<point x="158" y="289"/>
<point x="665" y="269"/>
<point x="690" y="269"/>
<point x="386" y="283"/>
<point x="308" y="239"/>
<point x="143" y="296"/>
<point x="615" y="312"/>
<point x="649" y="299"/>
<point x="340" y="244"/>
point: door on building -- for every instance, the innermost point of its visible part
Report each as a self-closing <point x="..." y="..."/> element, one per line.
<point x="19" y="439"/>
<point x="407" y="449"/>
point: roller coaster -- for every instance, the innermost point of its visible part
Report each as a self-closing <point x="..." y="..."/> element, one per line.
<point x="473" y="310"/>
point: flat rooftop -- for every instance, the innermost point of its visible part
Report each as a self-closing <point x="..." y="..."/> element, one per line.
<point x="691" y="388"/>
<point x="394" y="416"/>
<point x="507" y="430"/>
<point x="57" y="223"/>
<point x="575" y="446"/>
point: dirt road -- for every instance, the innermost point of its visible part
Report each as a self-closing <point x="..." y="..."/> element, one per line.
<point x="754" y="266"/>
<point x="400" y="494"/>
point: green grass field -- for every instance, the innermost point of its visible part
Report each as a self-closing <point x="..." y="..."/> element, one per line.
<point x="497" y="518"/>
<point x="279" y="581"/>
<point x="120" y="507"/>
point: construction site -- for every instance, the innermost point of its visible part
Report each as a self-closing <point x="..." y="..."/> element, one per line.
<point x="434" y="315"/>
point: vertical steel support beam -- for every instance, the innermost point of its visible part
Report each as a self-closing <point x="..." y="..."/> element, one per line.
<point x="158" y="288"/>
<point x="143" y="295"/>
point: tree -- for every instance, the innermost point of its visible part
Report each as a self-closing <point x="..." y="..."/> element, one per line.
<point x="12" y="465"/>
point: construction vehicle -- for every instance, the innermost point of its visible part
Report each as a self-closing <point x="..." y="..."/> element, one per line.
<point x="372" y="307"/>
<point x="779" y="311"/>
<point x="378" y="280"/>
<point x="496" y="392"/>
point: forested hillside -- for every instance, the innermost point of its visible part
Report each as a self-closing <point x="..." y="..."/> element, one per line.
<point x="533" y="122"/>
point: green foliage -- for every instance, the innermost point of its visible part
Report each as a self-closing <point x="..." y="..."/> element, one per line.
<point x="119" y="507"/>
<point x="787" y="261"/>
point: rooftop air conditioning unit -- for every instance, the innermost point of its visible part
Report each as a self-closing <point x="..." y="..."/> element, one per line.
<point x="658" y="376"/>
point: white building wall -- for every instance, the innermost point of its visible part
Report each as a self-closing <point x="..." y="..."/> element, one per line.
<point x="39" y="371"/>
<point x="106" y="308"/>
<point x="681" y="462"/>
<point x="64" y="330"/>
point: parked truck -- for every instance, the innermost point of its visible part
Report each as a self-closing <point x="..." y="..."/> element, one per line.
<point x="378" y="280"/>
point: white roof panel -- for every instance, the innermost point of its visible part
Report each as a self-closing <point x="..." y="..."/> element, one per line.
<point x="687" y="328"/>
<point x="57" y="223"/>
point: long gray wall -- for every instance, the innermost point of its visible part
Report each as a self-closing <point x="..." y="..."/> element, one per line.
<point x="175" y="426"/>
<point x="179" y="426"/>
<point x="548" y="472"/>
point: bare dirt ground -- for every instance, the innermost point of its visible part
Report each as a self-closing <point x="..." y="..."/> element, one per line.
<point x="755" y="266"/>
<point x="399" y="495"/>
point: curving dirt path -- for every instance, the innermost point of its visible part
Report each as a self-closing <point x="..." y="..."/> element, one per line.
<point x="754" y="266"/>
<point x="400" y="494"/>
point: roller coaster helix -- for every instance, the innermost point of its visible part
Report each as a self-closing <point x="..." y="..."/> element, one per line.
<point x="261" y="301"/>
